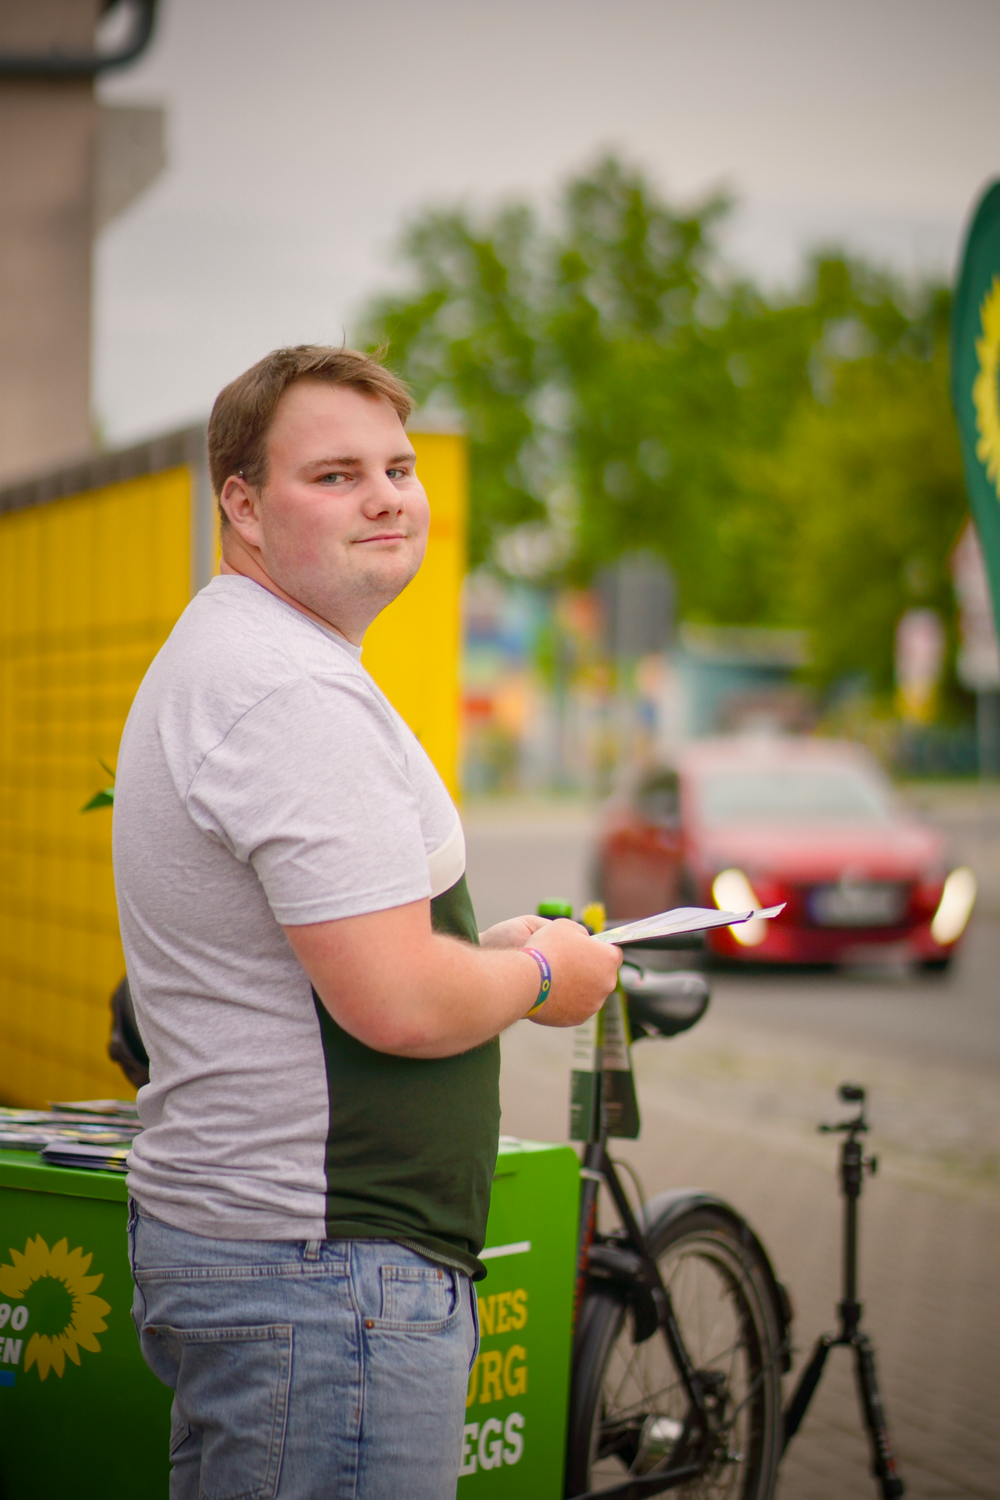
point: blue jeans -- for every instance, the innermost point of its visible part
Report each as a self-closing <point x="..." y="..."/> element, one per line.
<point x="304" y="1370"/>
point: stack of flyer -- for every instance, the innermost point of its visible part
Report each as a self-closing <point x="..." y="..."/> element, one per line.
<point x="94" y="1133"/>
<point x="679" y="922"/>
<point x="96" y="1158"/>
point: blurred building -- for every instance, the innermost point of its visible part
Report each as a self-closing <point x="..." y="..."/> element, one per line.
<point x="579" y="690"/>
<point x="733" y="678"/>
<point x="68" y="166"/>
<point x="501" y="696"/>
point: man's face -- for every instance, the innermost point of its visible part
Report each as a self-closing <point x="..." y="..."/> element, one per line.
<point x="341" y="522"/>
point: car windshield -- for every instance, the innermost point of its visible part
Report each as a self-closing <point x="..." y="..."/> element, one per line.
<point x="791" y="796"/>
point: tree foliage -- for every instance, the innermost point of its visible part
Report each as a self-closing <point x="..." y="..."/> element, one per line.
<point x="792" y="456"/>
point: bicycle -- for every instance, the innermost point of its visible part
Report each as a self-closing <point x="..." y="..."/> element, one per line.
<point x="682" y="1329"/>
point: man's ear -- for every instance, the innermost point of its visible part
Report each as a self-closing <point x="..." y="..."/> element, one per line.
<point x="242" y="505"/>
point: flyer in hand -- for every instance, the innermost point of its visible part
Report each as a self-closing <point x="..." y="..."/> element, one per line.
<point x="676" y="923"/>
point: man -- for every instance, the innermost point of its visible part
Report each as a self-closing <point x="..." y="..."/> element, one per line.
<point x="311" y="1188"/>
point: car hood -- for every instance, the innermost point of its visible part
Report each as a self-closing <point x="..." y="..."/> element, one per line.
<point x="888" y="851"/>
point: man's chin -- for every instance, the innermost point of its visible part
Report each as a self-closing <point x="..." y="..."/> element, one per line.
<point x="386" y="575"/>
<point x="366" y="590"/>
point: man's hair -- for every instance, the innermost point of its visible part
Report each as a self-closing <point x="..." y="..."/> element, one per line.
<point x="243" y="412"/>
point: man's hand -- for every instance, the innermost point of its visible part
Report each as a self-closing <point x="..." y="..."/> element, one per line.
<point x="583" y="972"/>
<point x="516" y="932"/>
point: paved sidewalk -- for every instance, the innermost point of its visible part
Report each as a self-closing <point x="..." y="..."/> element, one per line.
<point x="929" y="1276"/>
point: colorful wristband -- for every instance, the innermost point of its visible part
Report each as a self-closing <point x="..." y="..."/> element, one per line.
<point x="546" y="973"/>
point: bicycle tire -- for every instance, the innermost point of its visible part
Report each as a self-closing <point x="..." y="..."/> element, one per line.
<point x="627" y="1402"/>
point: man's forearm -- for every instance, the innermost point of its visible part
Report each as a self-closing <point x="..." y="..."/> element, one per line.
<point x="409" y="991"/>
<point x="457" y="997"/>
<point x="399" y="987"/>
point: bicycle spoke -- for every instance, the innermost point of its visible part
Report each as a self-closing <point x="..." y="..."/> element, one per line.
<point x="754" y="1387"/>
<point x="631" y="1372"/>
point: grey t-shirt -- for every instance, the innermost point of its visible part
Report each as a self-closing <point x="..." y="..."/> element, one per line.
<point x="264" y="780"/>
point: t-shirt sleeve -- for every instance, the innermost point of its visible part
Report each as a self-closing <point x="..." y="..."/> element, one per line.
<point x="310" y="787"/>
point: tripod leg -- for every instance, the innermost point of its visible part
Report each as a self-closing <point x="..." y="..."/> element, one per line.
<point x="883" y="1462"/>
<point x="808" y="1381"/>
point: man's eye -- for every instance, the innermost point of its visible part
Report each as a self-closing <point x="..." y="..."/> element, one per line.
<point x="396" y="473"/>
<point x="333" y="478"/>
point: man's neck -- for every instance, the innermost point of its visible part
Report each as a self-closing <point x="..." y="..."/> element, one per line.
<point x="238" y="561"/>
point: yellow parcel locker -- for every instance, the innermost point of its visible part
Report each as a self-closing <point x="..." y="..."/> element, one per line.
<point x="96" y="564"/>
<point x="412" y="649"/>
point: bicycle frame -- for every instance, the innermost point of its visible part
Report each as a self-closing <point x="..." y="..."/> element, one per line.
<point x="625" y="1262"/>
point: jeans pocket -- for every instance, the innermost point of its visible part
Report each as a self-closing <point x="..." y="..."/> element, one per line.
<point x="418" y="1294"/>
<point x="232" y="1388"/>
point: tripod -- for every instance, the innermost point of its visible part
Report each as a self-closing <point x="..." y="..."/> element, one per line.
<point x="853" y="1165"/>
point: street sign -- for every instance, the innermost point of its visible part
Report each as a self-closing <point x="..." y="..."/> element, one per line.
<point x="975" y="377"/>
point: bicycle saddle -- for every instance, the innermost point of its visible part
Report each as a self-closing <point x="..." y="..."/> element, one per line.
<point x="663" y="1004"/>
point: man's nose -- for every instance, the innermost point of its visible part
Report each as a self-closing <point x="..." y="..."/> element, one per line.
<point x="381" y="497"/>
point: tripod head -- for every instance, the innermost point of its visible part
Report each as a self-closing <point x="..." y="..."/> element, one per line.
<point x="853" y="1162"/>
<point x="850" y="1093"/>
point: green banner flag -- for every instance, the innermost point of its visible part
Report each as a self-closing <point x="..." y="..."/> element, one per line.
<point x="975" y="377"/>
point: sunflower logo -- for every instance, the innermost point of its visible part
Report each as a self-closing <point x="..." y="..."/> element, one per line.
<point x="986" y="386"/>
<point x="63" y="1315"/>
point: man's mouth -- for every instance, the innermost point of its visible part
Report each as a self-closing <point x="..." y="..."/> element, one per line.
<point x="384" y="536"/>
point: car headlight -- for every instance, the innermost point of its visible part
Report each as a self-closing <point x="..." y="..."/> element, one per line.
<point x="732" y="891"/>
<point x="955" y="906"/>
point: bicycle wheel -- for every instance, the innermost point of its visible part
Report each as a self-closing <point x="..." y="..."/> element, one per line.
<point x="628" y="1404"/>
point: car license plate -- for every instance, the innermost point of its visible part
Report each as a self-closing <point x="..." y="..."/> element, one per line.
<point x="874" y="903"/>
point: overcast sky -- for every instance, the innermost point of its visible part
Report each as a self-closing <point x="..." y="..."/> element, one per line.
<point x="302" y="134"/>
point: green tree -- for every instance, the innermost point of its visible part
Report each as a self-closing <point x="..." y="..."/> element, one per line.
<point x="868" y="493"/>
<point x="578" y="360"/>
<point x="792" y="456"/>
<point x="468" y="335"/>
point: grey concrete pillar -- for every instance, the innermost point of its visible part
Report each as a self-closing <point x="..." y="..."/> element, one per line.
<point x="47" y="156"/>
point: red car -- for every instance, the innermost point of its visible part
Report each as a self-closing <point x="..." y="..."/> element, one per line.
<point x="809" y="822"/>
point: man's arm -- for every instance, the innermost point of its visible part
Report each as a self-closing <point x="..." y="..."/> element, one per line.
<point x="388" y="979"/>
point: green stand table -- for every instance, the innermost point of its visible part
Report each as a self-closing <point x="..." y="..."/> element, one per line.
<point x="82" y="1416"/>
